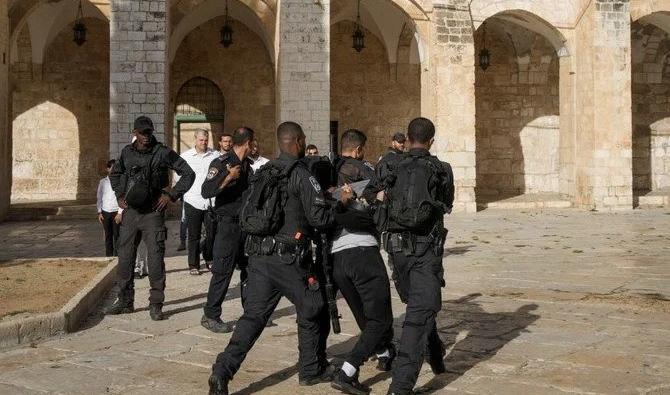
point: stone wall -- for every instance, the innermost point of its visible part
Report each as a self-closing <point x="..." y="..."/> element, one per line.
<point x="243" y="72"/>
<point x="60" y="116"/>
<point x="366" y="93"/>
<point x="651" y="107"/>
<point x="304" y="67"/>
<point x="517" y="119"/>
<point x="5" y="131"/>
<point x="138" y="44"/>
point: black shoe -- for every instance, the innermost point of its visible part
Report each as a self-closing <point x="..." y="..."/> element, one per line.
<point x="436" y="361"/>
<point x="384" y="363"/>
<point x="217" y="385"/>
<point x="349" y="385"/>
<point x="325" y="376"/>
<point x="156" y="312"/>
<point x="181" y="246"/>
<point x="216" y="326"/>
<point x="120" y="307"/>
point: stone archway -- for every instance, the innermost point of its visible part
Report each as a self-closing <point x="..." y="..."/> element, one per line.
<point x="518" y="130"/>
<point x="650" y="47"/>
<point x="244" y="73"/>
<point x="60" y="114"/>
<point x="379" y="89"/>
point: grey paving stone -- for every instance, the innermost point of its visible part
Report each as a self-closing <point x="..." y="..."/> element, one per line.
<point x="540" y="303"/>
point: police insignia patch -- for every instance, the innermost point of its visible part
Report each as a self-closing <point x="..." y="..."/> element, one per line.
<point x="213" y="171"/>
<point x="315" y="184"/>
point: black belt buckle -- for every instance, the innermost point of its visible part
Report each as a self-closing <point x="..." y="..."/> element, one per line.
<point x="267" y="245"/>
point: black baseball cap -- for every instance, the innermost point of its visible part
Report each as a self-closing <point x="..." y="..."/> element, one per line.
<point x="399" y="137"/>
<point x="143" y="124"/>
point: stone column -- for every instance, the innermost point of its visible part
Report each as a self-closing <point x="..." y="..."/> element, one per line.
<point x="304" y="67"/>
<point x="660" y="156"/>
<point x="138" y="67"/>
<point x="604" y="125"/>
<point x="5" y="128"/>
<point x="452" y="84"/>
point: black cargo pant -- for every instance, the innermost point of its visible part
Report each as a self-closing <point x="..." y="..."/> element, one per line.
<point x="270" y="278"/>
<point x="420" y="277"/>
<point x="195" y="218"/>
<point x="111" y="229"/>
<point x="228" y="253"/>
<point x="361" y="277"/>
<point x="151" y="228"/>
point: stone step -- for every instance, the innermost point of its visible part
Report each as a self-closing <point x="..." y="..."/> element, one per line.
<point x="83" y="211"/>
<point x="45" y="211"/>
<point x="654" y="199"/>
<point x="526" y="202"/>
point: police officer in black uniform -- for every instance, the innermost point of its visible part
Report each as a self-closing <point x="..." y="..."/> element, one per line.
<point x="397" y="147"/>
<point x="139" y="179"/>
<point x="359" y="272"/>
<point x="227" y="181"/>
<point x="383" y="169"/>
<point x="279" y="266"/>
<point x="417" y="256"/>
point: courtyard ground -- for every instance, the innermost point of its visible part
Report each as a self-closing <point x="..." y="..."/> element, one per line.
<point x="551" y="302"/>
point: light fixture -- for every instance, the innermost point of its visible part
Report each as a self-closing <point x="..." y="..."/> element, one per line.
<point x="358" y="36"/>
<point x="79" y="28"/>
<point x="484" y="54"/>
<point x="226" y="31"/>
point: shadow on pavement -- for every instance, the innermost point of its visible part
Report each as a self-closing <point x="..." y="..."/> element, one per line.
<point x="487" y="333"/>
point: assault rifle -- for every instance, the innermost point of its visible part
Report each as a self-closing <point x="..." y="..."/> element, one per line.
<point x="331" y="293"/>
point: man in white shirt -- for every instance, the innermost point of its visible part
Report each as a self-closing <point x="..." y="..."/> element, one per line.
<point x="256" y="159"/>
<point x="225" y="143"/>
<point x="107" y="208"/>
<point x="195" y="206"/>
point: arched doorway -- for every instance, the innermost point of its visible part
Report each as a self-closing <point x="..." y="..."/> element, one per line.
<point x="376" y="90"/>
<point x="650" y="47"/>
<point x="200" y="103"/>
<point x="518" y="136"/>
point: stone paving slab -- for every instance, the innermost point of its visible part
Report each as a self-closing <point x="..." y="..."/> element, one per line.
<point x="536" y="302"/>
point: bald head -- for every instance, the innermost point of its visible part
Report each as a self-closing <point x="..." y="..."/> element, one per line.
<point x="291" y="139"/>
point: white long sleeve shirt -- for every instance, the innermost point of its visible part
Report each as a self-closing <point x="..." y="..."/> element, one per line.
<point x="199" y="162"/>
<point x="106" y="197"/>
<point x="260" y="161"/>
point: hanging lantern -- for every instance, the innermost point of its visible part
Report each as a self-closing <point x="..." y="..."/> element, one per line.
<point x="226" y="31"/>
<point x="79" y="28"/>
<point x="484" y="54"/>
<point x="358" y="36"/>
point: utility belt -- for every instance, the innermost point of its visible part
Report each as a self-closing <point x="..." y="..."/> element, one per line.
<point x="270" y="245"/>
<point x="411" y="244"/>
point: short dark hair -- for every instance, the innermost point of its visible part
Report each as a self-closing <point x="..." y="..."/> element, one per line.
<point x="353" y="138"/>
<point x="420" y="130"/>
<point x="288" y="130"/>
<point x="225" y="134"/>
<point x="311" y="146"/>
<point x="242" y="135"/>
<point x="399" y="137"/>
<point x="110" y="163"/>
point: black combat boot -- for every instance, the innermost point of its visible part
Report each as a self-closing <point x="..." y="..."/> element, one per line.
<point x="121" y="306"/>
<point x="436" y="360"/>
<point x="217" y="385"/>
<point x="384" y="363"/>
<point x="216" y="326"/>
<point x="325" y="376"/>
<point x="156" y="312"/>
<point x="349" y="385"/>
